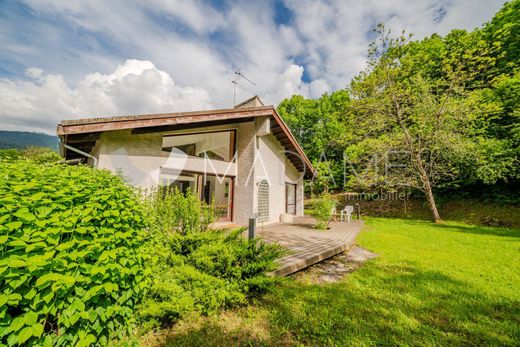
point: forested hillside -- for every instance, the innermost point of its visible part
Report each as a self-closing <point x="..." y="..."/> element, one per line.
<point x="448" y="107"/>
<point x="23" y="139"/>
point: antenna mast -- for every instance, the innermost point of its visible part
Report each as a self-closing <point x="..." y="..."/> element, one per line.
<point x="235" y="80"/>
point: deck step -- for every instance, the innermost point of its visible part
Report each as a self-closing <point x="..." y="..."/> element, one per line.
<point x="309" y="246"/>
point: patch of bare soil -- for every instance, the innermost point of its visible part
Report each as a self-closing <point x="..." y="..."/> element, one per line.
<point x="335" y="268"/>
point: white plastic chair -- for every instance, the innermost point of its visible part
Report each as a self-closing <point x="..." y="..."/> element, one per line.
<point x="348" y="212"/>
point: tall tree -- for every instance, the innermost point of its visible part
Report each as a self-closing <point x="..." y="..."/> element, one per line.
<point x="418" y="119"/>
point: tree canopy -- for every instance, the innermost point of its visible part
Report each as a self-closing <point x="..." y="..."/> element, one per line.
<point x="447" y="107"/>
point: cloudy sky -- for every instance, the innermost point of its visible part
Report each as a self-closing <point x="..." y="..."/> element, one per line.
<point x="64" y="59"/>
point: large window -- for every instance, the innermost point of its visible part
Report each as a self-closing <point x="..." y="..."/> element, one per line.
<point x="217" y="145"/>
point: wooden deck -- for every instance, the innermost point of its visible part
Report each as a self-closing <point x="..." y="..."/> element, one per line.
<point x="307" y="245"/>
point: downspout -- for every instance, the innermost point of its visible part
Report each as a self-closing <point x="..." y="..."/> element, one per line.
<point x="94" y="159"/>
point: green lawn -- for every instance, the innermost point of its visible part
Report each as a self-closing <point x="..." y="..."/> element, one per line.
<point x="450" y="284"/>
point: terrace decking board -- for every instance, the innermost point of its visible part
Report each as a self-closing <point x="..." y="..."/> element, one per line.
<point x="308" y="246"/>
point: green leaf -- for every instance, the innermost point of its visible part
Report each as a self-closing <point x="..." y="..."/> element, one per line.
<point x="37" y="260"/>
<point x="78" y="305"/>
<point x="16" y="243"/>
<point x="43" y="211"/>
<point x="13" y="225"/>
<point x="89" y="340"/>
<point x="17" y="323"/>
<point x="64" y="246"/>
<point x="41" y="223"/>
<point x="31" y="318"/>
<point x="25" y="215"/>
<point x="16" y="263"/>
<point x="74" y="318"/>
<point x="37" y="196"/>
<point x="34" y="246"/>
<point x="37" y="329"/>
<point x="3" y="239"/>
<point x="14" y="298"/>
<point x="24" y="335"/>
<point x="30" y="294"/>
<point x="48" y="296"/>
<point x="45" y="278"/>
<point x="4" y="218"/>
<point x="92" y="316"/>
<point x="47" y="342"/>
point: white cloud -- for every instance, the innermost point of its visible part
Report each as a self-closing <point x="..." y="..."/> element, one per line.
<point x="78" y="45"/>
<point x="290" y="83"/>
<point x="335" y="34"/>
<point x="134" y="87"/>
<point x="34" y="72"/>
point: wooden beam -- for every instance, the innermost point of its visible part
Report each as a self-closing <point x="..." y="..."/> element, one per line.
<point x="285" y="142"/>
<point x="277" y="131"/>
<point x="161" y="129"/>
<point x="75" y="138"/>
<point x="80" y="145"/>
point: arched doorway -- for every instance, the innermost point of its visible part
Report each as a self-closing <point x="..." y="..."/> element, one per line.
<point x="263" y="201"/>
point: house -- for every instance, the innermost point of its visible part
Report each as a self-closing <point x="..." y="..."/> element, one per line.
<point x="244" y="159"/>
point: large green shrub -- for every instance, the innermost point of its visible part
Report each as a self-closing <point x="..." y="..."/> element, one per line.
<point x="169" y="211"/>
<point x="195" y="268"/>
<point x="70" y="265"/>
<point x="322" y="211"/>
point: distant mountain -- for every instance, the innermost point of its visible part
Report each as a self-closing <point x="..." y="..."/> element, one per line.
<point x="23" y="139"/>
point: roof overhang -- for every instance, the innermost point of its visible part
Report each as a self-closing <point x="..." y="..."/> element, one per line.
<point x="83" y="133"/>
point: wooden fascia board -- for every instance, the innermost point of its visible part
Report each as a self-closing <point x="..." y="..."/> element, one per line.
<point x="292" y="140"/>
<point x="122" y="124"/>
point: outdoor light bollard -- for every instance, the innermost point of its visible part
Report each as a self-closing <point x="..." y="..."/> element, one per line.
<point x="252" y="226"/>
<point x="358" y="211"/>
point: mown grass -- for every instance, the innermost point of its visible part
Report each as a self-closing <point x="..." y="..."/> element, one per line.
<point x="448" y="284"/>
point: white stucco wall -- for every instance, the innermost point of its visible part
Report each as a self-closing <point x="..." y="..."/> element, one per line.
<point x="272" y="164"/>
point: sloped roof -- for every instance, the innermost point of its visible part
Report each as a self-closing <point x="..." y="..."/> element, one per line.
<point x="83" y="133"/>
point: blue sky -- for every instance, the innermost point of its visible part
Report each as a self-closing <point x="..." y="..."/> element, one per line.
<point x="62" y="59"/>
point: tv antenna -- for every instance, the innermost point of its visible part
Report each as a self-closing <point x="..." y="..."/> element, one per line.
<point x="238" y="77"/>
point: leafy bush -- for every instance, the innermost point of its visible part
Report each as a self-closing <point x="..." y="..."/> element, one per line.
<point x="322" y="211"/>
<point x="198" y="269"/>
<point x="70" y="264"/>
<point x="169" y="211"/>
<point x="41" y="155"/>
<point x="10" y="154"/>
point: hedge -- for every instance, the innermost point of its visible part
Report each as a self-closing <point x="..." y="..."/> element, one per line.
<point x="71" y="263"/>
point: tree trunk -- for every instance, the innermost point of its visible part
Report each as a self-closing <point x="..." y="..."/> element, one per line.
<point x="427" y="189"/>
<point x="431" y="201"/>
